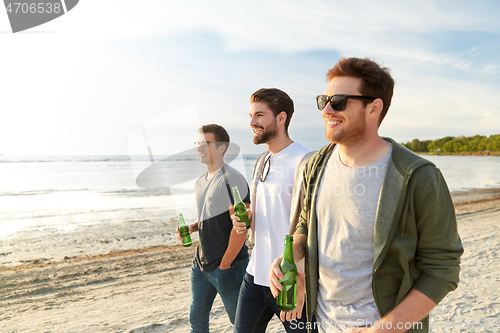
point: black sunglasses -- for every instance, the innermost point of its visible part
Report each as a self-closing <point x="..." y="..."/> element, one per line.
<point x="265" y="169"/>
<point x="339" y="102"/>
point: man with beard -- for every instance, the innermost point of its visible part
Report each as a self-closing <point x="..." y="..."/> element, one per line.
<point x="378" y="227"/>
<point x="270" y="214"/>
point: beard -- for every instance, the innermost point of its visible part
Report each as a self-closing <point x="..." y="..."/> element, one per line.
<point x="268" y="134"/>
<point x="352" y="135"/>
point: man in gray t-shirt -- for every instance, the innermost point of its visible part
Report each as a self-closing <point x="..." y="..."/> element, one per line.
<point x="346" y="208"/>
<point x="378" y="229"/>
<point x="221" y="256"/>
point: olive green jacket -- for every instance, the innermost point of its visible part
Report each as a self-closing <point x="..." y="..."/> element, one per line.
<point x="416" y="243"/>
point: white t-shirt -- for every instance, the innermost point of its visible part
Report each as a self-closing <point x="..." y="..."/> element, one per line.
<point x="272" y="211"/>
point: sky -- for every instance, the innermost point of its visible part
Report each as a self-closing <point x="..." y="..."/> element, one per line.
<point x="113" y="77"/>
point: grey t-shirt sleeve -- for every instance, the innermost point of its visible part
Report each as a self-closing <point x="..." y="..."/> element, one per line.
<point x="240" y="181"/>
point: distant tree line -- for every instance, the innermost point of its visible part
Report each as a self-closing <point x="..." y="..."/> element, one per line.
<point x="459" y="144"/>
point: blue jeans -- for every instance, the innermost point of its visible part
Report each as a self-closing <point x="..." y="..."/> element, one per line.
<point x="257" y="306"/>
<point x="204" y="288"/>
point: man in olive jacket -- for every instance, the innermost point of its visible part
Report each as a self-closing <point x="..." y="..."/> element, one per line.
<point x="378" y="228"/>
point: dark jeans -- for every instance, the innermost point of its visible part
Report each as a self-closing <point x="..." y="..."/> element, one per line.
<point x="204" y="288"/>
<point x="257" y="306"/>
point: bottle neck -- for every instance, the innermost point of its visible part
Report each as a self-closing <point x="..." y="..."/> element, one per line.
<point x="181" y="221"/>
<point x="288" y="253"/>
<point x="236" y="195"/>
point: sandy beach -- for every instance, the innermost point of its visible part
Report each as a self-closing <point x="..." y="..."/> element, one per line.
<point x="134" y="278"/>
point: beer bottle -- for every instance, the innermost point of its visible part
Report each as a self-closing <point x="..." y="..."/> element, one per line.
<point x="184" y="230"/>
<point x="240" y="209"/>
<point x="287" y="297"/>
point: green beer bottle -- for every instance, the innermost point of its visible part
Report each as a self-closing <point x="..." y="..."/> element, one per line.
<point x="240" y="209"/>
<point x="287" y="297"/>
<point x="184" y="230"/>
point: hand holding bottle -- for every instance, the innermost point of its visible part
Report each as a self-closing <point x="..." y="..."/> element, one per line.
<point x="183" y="232"/>
<point x="239" y="226"/>
<point x="275" y="275"/>
<point x="240" y="210"/>
<point x="193" y="227"/>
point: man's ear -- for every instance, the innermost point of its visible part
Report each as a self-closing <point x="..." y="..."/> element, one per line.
<point x="222" y="148"/>
<point x="376" y="107"/>
<point x="282" y="117"/>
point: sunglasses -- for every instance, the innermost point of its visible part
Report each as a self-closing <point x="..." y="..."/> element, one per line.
<point x="339" y="102"/>
<point x="201" y="143"/>
<point x="265" y="169"/>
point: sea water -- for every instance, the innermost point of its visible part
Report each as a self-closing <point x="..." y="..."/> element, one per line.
<point x="65" y="192"/>
<point x="464" y="173"/>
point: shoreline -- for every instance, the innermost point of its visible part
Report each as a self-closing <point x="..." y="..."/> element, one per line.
<point x="56" y="245"/>
<point x="465" y="202"/>
<point x="145" y="288"/>
<point x="472" y="196"/>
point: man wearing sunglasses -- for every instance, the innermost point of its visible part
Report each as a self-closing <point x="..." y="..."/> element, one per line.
<point x="221" y="256"/>
<point x="378" y="227"/>
<point x="270" y="215"/>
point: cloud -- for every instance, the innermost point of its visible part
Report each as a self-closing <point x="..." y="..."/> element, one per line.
<point x="397" y="33"/>
<point x="114" y="64"/>
<point x="427" y="107"/>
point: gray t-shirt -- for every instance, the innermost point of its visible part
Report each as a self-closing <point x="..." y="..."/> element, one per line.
<point x="346" y="208"/>
<point x="213" y="197"/>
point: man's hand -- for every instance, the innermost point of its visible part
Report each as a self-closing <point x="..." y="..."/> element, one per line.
<point x="193" y="227"/>
<point x="224" y="266"/>
<point x="412" y="309"/>
<point x="240" y="227"/>
<point x="275" y="275"/>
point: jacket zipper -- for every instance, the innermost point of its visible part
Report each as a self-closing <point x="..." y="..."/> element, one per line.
<point x="308" y="197"/>
<point x="389" y="241"/>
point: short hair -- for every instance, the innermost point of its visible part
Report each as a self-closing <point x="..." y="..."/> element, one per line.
<point x="376" y="80"/>
<point x="219" y="132"/>
<point x="276" y="100"/>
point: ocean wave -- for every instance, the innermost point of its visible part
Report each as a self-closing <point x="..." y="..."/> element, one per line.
<point x="125" y="192"/>
<point x="50" y="159"/>
<point x="38" y="192"/>
<point x="140" y="192"/>
<point x="103" y="158"/>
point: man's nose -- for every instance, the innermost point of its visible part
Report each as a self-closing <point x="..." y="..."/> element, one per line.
<point x="253" y="122"/>
<point x="327" y="110"/>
